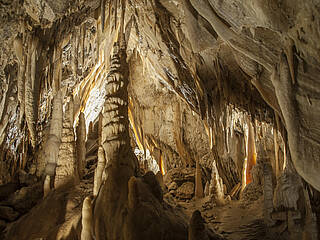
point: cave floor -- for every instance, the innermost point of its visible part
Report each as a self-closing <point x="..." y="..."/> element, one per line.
<point x="235" y="220"/>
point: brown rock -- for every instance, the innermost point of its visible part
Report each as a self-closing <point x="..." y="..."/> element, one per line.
<point x="7" y="213"/>
<point x="179" y="175"/>
<point x="185" y="191"/>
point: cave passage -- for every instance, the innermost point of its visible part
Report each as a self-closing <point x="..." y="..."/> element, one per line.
<point x="164" y="120"/>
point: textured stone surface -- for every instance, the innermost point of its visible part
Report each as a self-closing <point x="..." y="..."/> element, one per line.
<point x="185" y="191"/>
<point x="195" y="71"/>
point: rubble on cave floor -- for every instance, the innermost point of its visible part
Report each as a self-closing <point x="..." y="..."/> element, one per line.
<point x="233" y="221"/>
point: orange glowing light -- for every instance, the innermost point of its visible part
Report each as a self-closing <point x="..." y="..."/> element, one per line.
<point x="163" y="171"/>
<point x="137" y="132"/>
<point x="251" y="162"/>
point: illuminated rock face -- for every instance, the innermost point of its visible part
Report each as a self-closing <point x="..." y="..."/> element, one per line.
<point x="252" y="155"/>
<point x="190" y="75"/>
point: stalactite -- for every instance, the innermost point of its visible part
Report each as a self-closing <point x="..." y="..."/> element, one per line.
<point x="198" y="187"/>
<point x="3" y="100"/>
<point x="86" y="232"/>
<point x="31" y="85"/>
<point x="290" y="58"/>
<point x="134" y="125"/>
<point x="18" y="46"/>
<point x="18" y="49"/>
<point x="103" y="14"/>
<point x="74" y="52"/>
<point x="251" y="156"/>
<point x="81" y="144"/>
<point x="276" y="152"/>
<point x="57" y="69"/>
<point x="100" y="129"/>
<point x="3" y="127"/>
<point x="162" y="164"/>
<point x="98" y="39"/>
<point x="83" y="39"/>
<point x="116" y="14"/>
<point x="179" y="137"/>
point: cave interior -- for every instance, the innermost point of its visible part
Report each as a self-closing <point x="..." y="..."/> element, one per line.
<point x="159" y="119"/>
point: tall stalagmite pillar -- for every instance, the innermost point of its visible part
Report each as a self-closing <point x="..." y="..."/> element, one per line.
<point x="67" y="169"/>
<point x="121" y="161"/>
<point x="54" y="139"/>
<point x="115" y="135"/>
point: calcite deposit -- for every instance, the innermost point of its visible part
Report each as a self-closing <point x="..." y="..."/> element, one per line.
<point x="160" y="119"/>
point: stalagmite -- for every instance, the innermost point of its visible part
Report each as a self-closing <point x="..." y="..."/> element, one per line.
<point x="81" y="144"/>
<point x="116" y="144"/>
<point x="133" y="198"/>
<point x="199" y="187"/>
<point x="67" y="169"/>
<point x="99" y="171"/>
<point x="86" y="232"/>
<point x="115" y="108"/>
<point x="197" y="229"/>
<point x="54" y="138"/>
<point x="216" y="189"/>
<point x="46" y="186"/>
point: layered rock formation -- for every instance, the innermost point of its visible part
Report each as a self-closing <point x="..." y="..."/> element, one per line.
<point x="219" y="99"/>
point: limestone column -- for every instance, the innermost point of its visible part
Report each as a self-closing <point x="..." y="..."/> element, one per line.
<point x="66" y="166"/>
<point x="121" y="164"/>
<point x="54" y="138"/>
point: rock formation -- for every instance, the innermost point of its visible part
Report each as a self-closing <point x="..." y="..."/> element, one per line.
<point x="150" y="113"/>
